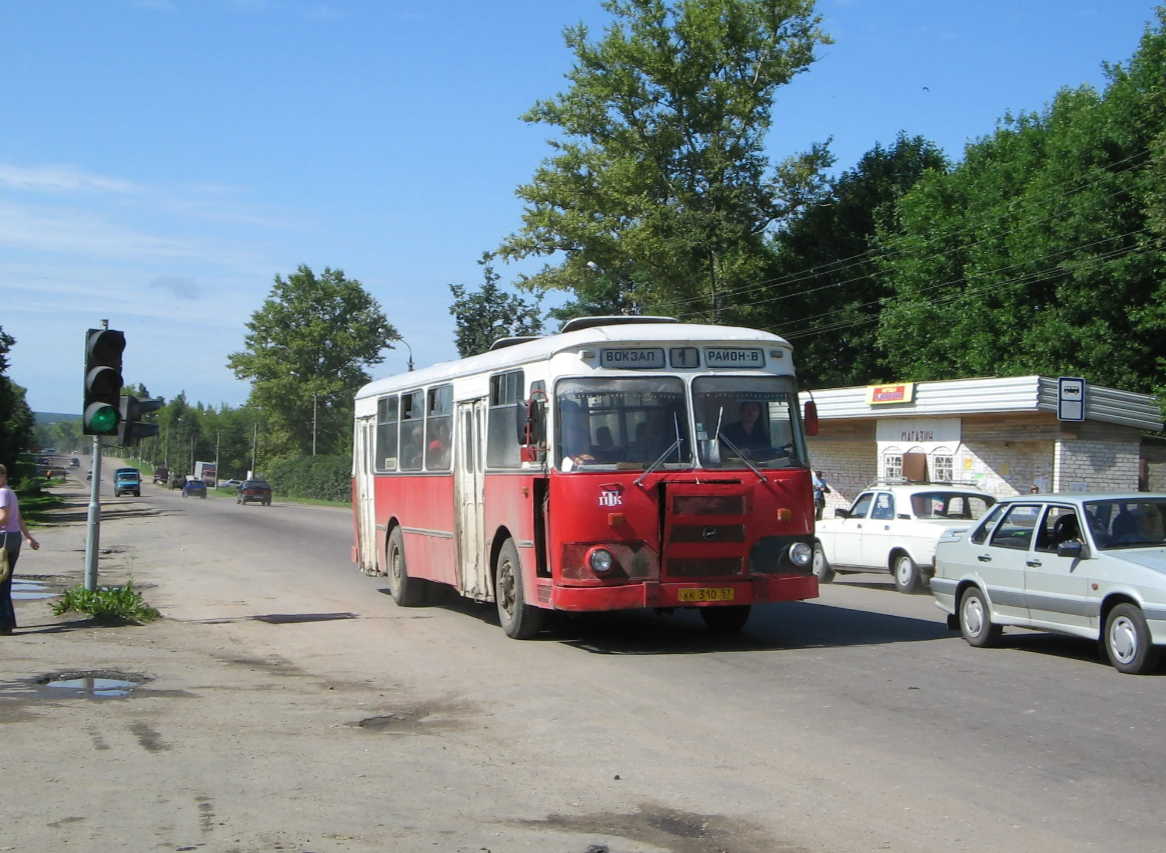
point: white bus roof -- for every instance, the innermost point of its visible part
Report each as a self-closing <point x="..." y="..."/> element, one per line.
<point x="546" y="347"/>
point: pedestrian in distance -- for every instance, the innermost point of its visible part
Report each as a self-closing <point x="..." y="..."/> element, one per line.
<point x="12" y="530"/>
<point x="821" y="489"/>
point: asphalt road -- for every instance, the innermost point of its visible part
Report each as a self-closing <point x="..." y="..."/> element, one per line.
<point x="854" y="722"/>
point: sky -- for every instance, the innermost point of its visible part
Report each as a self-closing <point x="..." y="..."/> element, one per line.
<point x="161" y="161"/>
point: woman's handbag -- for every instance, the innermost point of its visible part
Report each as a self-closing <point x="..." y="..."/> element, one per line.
<point x="5" y="566"/>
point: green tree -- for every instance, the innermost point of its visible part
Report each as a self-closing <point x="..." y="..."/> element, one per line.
<point x="16" y="418"/>
<point x="307" y="348"/>
<point x="824" y="290"/>
<point x="1039" y="253"/>
<point x="489" y="314"/>
<point x="660" y="168"/>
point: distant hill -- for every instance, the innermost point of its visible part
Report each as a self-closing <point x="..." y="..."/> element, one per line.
<point x="54" y="417"/>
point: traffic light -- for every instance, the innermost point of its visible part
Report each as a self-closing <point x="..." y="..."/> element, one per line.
<point x="130" y="429"/>
<point x="103" y="349"/>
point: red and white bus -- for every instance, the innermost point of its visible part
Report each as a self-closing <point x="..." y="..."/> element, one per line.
<point x="626" y="462"/>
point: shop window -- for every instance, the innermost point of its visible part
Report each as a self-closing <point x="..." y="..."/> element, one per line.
<point x="942" y="468"/>
<point x="893" y="466"/>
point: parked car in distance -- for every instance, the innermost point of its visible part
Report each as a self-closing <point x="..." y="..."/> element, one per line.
<point x="894" y="528"/>
<point x="254" y="491"/>
<point x="127" y="481"/>
<point x="1090" y="565"/>
<point x="196" y="488"/>
<point x="161" y="476"/>
<point x="230" y="484"/>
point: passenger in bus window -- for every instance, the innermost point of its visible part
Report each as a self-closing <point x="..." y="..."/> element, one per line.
<point x="437" y="456"/>
<point x="748" y="433"/>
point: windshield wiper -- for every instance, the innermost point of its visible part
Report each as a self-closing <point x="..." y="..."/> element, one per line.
<point x="660" y="460"/>
<point x="743" y="457"/>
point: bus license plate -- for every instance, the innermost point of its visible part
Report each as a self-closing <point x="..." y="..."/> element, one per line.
<point x="715" y="594"/>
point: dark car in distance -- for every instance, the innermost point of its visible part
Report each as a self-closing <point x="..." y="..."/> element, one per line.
<point x="197" y="488"/>
<point x="254" y="491"/>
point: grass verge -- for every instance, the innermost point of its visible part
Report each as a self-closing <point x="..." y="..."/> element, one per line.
<point x="116" y="604"/>
<point x="34" y="507"/>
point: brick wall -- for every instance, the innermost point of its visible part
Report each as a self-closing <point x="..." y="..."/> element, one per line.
<point x="1096" y="466"/>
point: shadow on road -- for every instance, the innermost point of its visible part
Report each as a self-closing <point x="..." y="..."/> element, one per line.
<point x="790" y="625"/>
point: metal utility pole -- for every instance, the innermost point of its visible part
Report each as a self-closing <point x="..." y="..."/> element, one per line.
<point x="93" y="539"/>
<point x="254" y="446"/>
<point x="314" y="396"/>
<point x="218" y="436"/>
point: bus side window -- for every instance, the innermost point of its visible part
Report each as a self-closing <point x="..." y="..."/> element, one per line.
<point x="502" y="451"/>
<point x="412" y="430"/>
<point x="438" y="423"/>
<point x="385" y="458"/>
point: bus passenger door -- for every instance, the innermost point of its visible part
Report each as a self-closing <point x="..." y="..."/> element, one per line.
<point x="366" y="522"/>
<point x="470" y="486"/>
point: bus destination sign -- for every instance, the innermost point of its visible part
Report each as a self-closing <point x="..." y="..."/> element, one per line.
<point x="632" y="359"/>
<point x="734" y="357"/>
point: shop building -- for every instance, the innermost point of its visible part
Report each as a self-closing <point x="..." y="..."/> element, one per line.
<point x="1002" y="435"/>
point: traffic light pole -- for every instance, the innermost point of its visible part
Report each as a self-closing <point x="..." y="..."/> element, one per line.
<point x="93" y="539"/>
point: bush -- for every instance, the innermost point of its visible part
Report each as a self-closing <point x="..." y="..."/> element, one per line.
<point x="326" y="478"/>
<point x="108" y="604"/>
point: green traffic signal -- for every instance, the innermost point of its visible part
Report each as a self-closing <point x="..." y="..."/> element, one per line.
<point x="103" y="381"/>
<point x="100" y="419"/>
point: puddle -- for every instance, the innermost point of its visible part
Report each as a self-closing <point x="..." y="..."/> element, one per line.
<point x="92" y="685"/>
<point x="30" y="591"/>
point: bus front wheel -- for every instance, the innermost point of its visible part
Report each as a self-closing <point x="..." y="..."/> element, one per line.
<point x="406" y="591"/>
<point x="520" y="621"/>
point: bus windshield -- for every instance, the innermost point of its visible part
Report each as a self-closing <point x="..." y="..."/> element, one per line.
<point x="747" y="417"/>
<point x="621" y="423"/>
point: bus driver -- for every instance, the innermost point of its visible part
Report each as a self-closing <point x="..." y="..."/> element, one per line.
<point x="748" y="433"/>
<point x="575" y="436"/>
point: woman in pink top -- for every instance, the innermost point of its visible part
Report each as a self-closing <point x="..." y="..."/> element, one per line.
<point x="12" y="528"/>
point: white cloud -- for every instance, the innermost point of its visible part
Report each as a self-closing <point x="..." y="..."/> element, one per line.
<point x="61" y="179"/>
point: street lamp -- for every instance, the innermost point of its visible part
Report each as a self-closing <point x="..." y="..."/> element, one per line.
<point x="406" y="343"/>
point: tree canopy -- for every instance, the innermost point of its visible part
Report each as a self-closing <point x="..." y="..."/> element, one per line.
<point x="307" y="348"/>
<point x="16" y="418"/>
<point x="659" y="171"/>
<point x="1042" y="251"/>
<point x="489" y="314"/>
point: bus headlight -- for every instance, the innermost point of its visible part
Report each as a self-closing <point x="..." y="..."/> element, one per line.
<point x="601" y="561"/>
<point x="800" y="554"/>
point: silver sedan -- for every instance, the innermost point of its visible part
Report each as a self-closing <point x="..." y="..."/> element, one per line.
<point x="1090" y="565"/>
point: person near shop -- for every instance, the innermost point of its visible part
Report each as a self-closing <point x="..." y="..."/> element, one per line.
<point x="12" y="530"/>
<point x="821" y="489"/>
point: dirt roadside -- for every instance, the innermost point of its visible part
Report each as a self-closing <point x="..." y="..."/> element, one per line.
<point x="267" y="713"/>
<point x="224" y="742"/>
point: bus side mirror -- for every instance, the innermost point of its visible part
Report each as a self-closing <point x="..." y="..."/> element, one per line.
<point x="811" y="418"/>
<point x="529" y="419"/>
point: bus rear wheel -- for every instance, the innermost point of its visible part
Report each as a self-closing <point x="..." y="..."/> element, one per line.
<point x="520" y="621"/>
<point x="725" y="620"/>
<point x="406" y="591"/>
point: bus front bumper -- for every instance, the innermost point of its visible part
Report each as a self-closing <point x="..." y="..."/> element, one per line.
<point x="757" y="590"/>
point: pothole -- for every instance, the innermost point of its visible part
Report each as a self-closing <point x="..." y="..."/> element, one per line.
<point x="93" y="684"/>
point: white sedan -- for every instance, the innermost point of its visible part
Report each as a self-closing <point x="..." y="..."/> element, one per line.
<point x="1091" y="565"/>
<point x="893" y="529"/>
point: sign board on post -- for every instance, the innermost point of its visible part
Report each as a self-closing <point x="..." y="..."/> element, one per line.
<point x="1070" y="399"/>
